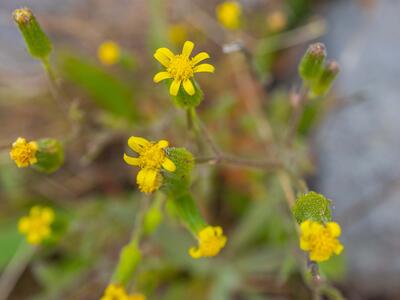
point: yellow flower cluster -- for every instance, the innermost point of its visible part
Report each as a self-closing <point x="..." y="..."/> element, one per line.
<point x="151" y="159"/>
<point x="109" y="53"/>
<point x="36" y="226"/>
<point x="117" y="292"/>
<point x="211" y="241"/>
<point x="181" y="67"/>
<point x="320" y="240"/>
<point x="229" y="14"/>
<point x="24" y="153"/>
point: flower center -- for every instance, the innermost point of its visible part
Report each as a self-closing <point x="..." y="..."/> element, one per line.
<point x="23" y="154"/>
<point x="323" y="243"/>
<point x="153" y="157"/>
<point x="181" y="67"/>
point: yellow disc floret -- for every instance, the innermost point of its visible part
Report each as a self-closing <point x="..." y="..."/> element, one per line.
<point x="151" y="159"/>
<point x="23" y="152"/>
<point x="320" y="240"/>
<point x="109" y="53"/>
<point x="229" y="14"/>
<point x="181" y="67"/>
<point x="211" y="241"/>
<point x="37" y="225"/>
<point x="117" y="292"/>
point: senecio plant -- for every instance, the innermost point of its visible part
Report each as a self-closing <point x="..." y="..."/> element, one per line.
<point x="165" y="169"/>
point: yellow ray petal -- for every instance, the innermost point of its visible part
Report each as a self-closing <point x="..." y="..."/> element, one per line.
<point x="138" y="144"/>
<point x="133" y="161"/>
<point x="334" y="228"/>
<point x="169" y="165"/>
<point x="162" y="58"/>
<point x="168" y="53"/>
<point x="200" y="57"/>
<point x="187" y="48"/>
<point x="174" y="88"/>
<point x="161" y="76"/>
<point x="162" y="144"/>
<point x="204" y="68"/>
<point x="188" y="86"/>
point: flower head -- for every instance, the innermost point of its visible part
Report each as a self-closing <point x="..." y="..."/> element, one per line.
<point x="151" y="159"/>
<point x="181" y="68"/>
<point x="36" y="226"/>
<point x="211" y="241"/>
<point x="228" y="14"/>
<point x="117" y="292"/>
<point x="109" y="53"/>
<point x="24" y="153"/>
<point x="320" y="240"/>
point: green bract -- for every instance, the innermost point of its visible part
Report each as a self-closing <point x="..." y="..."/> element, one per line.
<point x="50" y="155"/>
<point x="312" y="206"/>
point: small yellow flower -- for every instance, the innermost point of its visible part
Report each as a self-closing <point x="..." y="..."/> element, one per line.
<point x="151" y="159"/>
<point x="36" y="226"/>
<point x="229" y="14"/>
<point x="24" y="153"/>
<point x="178" y="33"/>
<point x="181" y="67"/>
<point x="211" y="241"/>
<point x="109" y="53"/>
<point x="117" y="292"/>
<point x="320" y="240"/>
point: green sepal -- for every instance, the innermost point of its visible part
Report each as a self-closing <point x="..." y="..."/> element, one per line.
<point x="312" y="206"/>
<point x="178" y="181"/>
<point x="312" y="63"/>
<point x="130" y="257"/>
<point x="183" y="99"/>
<point x="50" y="155"/>
<point x="38" y="44"/>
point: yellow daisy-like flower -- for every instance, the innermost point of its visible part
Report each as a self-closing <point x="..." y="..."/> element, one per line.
<point x="36" y="226"/>
<point x="181" y="67"/>
<point x="24" y="153"/>
<point x="229" y="14"/>
<point x="109" y="53"/>
<point x="117" y="292"/>
<point x="211" y="241"/>
<point x="151" y="159"/>
<point x="320" y="240"/>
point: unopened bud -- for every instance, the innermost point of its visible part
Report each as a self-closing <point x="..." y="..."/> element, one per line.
<point x="324" y="83"/>
<point x="37" y="42"/>
<point x="312" y="62"/>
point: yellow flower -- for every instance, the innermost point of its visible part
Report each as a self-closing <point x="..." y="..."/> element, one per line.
<point x="117" y="292"/>
<point x="229" y="14"/>
<point x="211" y="241"/>
<point x="181" y="67"/>
<point x="151" y="159"/>
<point x="320" y="240"/>
<point x="177" y="33"/>
<point x="109" y="53"/>
<point x="36" y="226"/>
<point x="24" y="153"/>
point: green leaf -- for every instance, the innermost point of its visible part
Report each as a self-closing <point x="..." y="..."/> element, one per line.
<point x="105" y="90"/>
<point x="312" y="206"/>
<point x="9" y="241"/>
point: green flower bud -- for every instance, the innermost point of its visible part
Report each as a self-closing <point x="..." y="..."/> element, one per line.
<point x="37" y="42"/>
<point x="312" y="62"/>
<point x="184" y="100"/>
<point x="312" y="206"/>
<point x="178" y="181"/>
<point x="50" y="155"/>
<point x="324" y="83"/>
<point x="130" y="257"/>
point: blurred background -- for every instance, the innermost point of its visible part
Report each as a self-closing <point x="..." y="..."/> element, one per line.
<point x="346" y="147"/>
